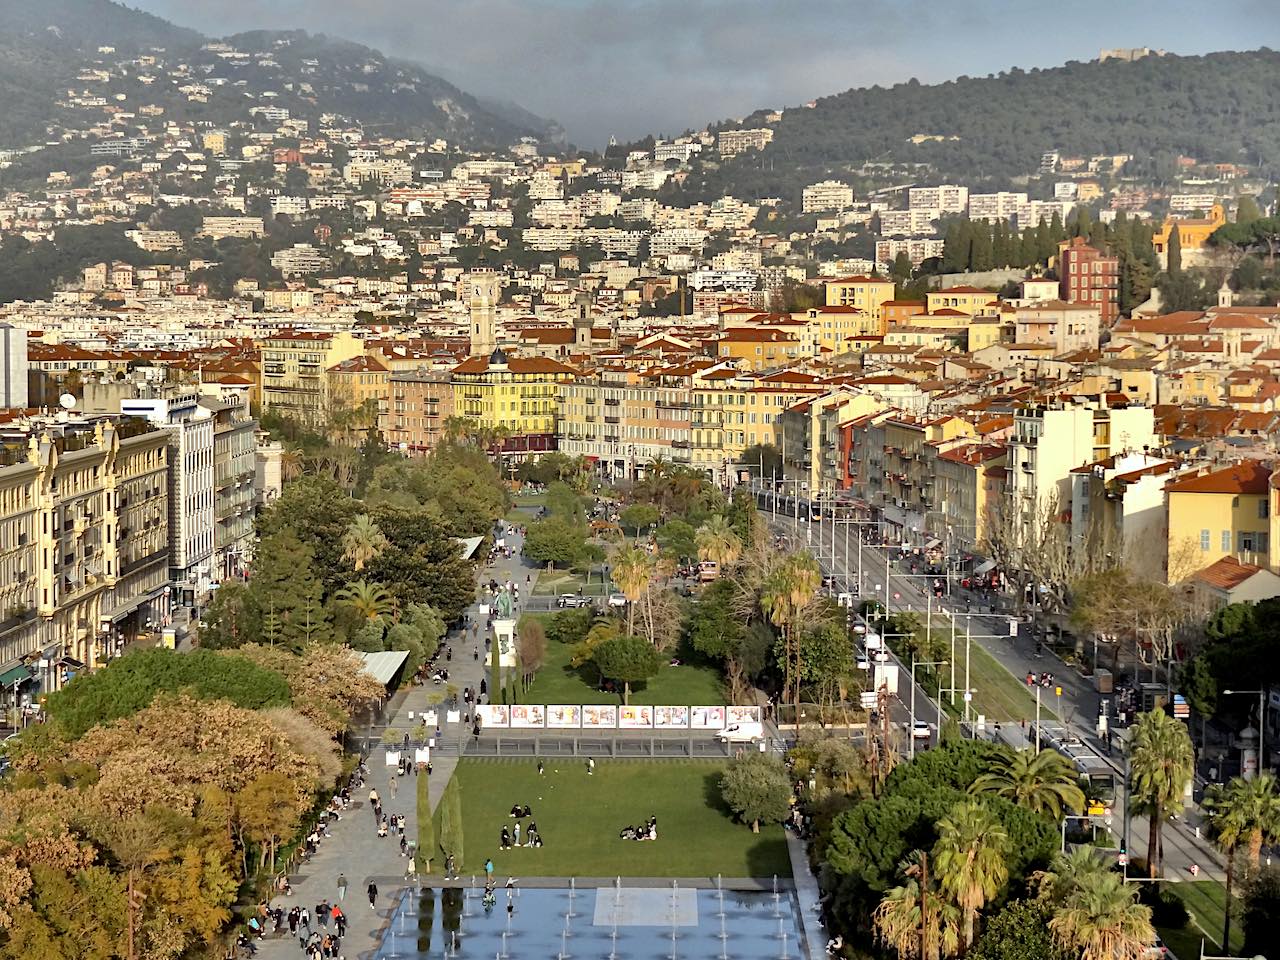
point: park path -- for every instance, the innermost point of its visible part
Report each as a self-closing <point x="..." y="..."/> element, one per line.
<point x="353" y="848"/>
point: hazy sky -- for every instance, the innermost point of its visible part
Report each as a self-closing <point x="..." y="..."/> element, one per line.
<point x="631" y="67"/>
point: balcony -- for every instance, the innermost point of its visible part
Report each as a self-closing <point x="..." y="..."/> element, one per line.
<point x="611" y="401"/>
<point x="612" y="419"/>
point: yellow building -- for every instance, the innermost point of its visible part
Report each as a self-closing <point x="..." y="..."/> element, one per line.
<point x="1193" y="233"/>
<point x="361" y="383"/>
<point x="867" y="294"/>
<point x="760" y="348"/>
<point x="519" y="396"/>
<point x="84" y="537"/>
<point x="969" y="300"/>
<point x="294" y="368"/>
<point x="1217" y="514"/>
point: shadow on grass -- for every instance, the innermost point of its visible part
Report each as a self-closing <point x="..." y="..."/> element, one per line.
<point x="768" y="856"/>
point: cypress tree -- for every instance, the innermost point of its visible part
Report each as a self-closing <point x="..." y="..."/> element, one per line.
<point x="1173" y="264"/>
<point x="451" y="822"/>
<point x="426" y="828"/>
<point x="495" y="673"/>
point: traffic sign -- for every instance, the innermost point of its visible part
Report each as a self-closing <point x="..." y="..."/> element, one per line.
<point x="1181" y="709"/>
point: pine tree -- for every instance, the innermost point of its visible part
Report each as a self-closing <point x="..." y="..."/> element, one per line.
<point x="955" y="247"/>
<point x="495" y="672"/>
<point x="980" y="249"/>
<point x="1247" y="209"/>
<point x="1057" y="232"/>
<point x="285" y="586"/>
<point x="1173" y="261"/>
<point x="900" y="271"/>
<point x="1083" y="225"/>
<point x="1098" y="234"/>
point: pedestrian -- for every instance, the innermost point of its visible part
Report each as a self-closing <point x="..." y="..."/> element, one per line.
<point x="541" y="768"/>
<point x="515" y="833"/>
<point x="393" y="788"/>
<point x="475" y="654"/>
<point x="373" y="796"/>
<point x="342" y="886"/>
<point x="373" y="895"/>
<point x="488" y="870"/>
<point x="484" y="687"/>
<point x="591" y="766"/>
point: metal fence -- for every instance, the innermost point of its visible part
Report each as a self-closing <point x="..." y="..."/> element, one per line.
<point x="498" y="745"/>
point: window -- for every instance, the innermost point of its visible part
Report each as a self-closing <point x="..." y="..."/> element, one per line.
<point x="1264" y="508"/>
<point x="1204" y="540"/>
<point x="1253" y="542"/>
<point x="1226" y="541"/>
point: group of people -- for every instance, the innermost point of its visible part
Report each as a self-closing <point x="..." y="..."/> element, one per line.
<point x="1045" y="679"/>
<point x="648" y="831"/>
<point x="511" y="836"/>
<point x="389" y="826"/>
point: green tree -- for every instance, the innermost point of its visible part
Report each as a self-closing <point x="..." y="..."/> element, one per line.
<point x="717" y="542"/>
<point x="677" y="539"/>
<point x="1043" y="782"/>
<point x="1161" y="764"/>
<point x="555" y="542"/>
<point x="638" y="516"/>
<point x="915" y="918"/>
<point x="784" y="595"/>
<point x="762" y="459"/>
<point x="1260" y="914"/>
<point x="755" y="786"/>
<point x="363" y="541"/>
<point x="284" y="587"/>
<point x="714" y="629"/>
<point x="1173" y="256"/>
<point x="626" y="659"/>
<point x="970" y="860"/>
<point x="1018" y="931"/>
<point x="1247" y="210"/>
<point x="368" y="601"/>
<point x="1101" y="919"/>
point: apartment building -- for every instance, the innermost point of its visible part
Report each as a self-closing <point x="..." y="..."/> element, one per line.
<point x="83" y="550"/>
<point x="419" y="402"/>
<point x="359" y="384"/>
<point x="1219" y="513"/>
<point x="234" y="474"/>
<point x="917" y="249"/>
<point x="294" y="364"/>
<point x="826" y="195"/>
<point x="1118" y="507"/>
<point x="14" y="368"/>
<point x="730" y="143"/>
<point x="945" y="198"/>
<point x="915" y="222"/>
<point x="299" y="260"/>
<point x="243" y="228"/>
<point x="995" y="206"/>
<point x="519" y="396"/>
<point x="969" y="487"/>
<point x="865" y="293"/>
<point x="1064" y="326"/>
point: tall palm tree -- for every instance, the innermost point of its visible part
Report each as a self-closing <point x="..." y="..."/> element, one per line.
<point x="915" y="919"/>
<point x="970" y="860"/>
<point x="1042" y="782"/>
<point x="632" y="571"/>
<point x="1101" y="919"/>
<point x="1227" y="810"/>
<point x="718" y="543"/>
<point x="364" y="541"/>
<point x="784" y="594"/>
<point x="1259" y="801"/>
<point x="370" y="600"/>
<point x="1161" y="764"/>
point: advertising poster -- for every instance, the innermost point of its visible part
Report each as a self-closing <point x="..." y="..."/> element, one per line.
<point x="671" y="718"/>
<point x="528" y="715"/>
<point x="596" y="717"/>
<point x="707" y="718"/>
<point x="742" y="715"/>
<point x="494" y="715"/>
<point x="564" y="717"/>
<point x="636" y="718"/>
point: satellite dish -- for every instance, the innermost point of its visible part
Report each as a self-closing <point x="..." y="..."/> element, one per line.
<point x="67" y="401"/>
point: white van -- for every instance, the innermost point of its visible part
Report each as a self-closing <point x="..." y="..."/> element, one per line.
<point x="749" y="732"/>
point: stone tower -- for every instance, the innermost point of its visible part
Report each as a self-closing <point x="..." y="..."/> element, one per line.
<point x="582" y="324"/>
<point x="485" y="290"/>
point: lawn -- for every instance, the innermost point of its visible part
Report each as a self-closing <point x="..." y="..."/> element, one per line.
<point x="580" y="816"/>
<point x="556" y="582"/>
<point x="1205" y="900"/>
<point x="999" y="694"/>
<point x="688" y="685"/>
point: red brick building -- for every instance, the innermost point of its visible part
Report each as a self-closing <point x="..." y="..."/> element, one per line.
<point x="1089" y="276"/>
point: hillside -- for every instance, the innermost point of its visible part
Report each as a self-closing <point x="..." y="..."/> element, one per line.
<point x="1216" y="107"/>
<point x="47" y="47"/>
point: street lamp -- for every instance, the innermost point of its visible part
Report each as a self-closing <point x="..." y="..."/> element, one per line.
<point x="1262" y="721"/>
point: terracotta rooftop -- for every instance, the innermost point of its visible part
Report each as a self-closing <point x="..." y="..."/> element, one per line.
<point x="1249" y="477"/>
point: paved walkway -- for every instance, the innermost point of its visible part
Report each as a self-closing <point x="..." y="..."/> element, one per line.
<point x="808" y="899"/>
<point x="354" y="848"/>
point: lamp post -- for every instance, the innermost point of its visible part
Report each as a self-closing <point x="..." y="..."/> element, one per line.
<point x="1262" y="721"/>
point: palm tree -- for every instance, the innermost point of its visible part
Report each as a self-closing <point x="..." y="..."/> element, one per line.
<point x="1101" y="919"/>
<point x="1042" y="782"/>
<point x="632" y="570"/>
<point x="1161" y="764"/>
<point x="369" y="600"/>
<point x="785" y="593"/>
<point x="970" y="860"/>
<point x="1226" y="810"/>
<point x="291" y="464"/>
<point x="1069" y="871"/>
<point x="363" y="541"/>
<point x="718" y="543"/>
<point x="914" y="918"/>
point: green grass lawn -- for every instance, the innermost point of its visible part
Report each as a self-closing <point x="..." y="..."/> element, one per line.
<point x="557" y="582"/>
<point x="688" y="685"/>
<point x="999" y="694"/>
<point x="1205" y="900"/>
<point x="580" y="816"/>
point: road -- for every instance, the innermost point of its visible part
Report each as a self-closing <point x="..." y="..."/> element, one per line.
<point x="846" y="557"/>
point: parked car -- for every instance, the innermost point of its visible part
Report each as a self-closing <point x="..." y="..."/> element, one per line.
<point x="572" y="600"/>
<point x="920" y="730"/>
<point x="749" y="732"/>
<point x="617" y="600"/>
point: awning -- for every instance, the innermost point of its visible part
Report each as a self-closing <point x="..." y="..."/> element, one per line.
<point x="933" y="543"/>
<point x="71" y="662"/>
<point x="15" y="677"/>
<point x="382" y="666"/>
<point x="986" y="566"/>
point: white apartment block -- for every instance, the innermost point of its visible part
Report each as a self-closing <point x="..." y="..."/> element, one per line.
<point x="301" y="258"/>
<point x="681" y="151"/>
<point x="381" y="171"/>
<point x="243" y="228"/>
<point x="1065" y="190"/>
<point x="1030" y="214"/>
<point x="155" y="241"/>
<point x="1191" y="202"/>
<point x="723" y="280"/>
<point x="826" y="195"/>
<point x="490" y="218"/>
<point x="732" y="142"/>
<point x="597" y="203"/>
<point x="946" y="197"/>
<point x="916" y="222"/>
<point x="556" y="213"/>
<point x="917" y="249"/>
<point x="543" y="186"/>
<point x="290" y="206"/>
<point x="995" y="206"/>
<point x="13" y="367"/>
<point x="666" y="242"/>
<point x="651" y="179"/>
<point x="329" y="203"/>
